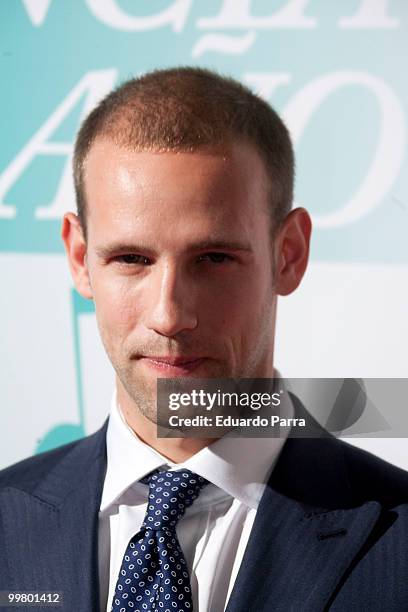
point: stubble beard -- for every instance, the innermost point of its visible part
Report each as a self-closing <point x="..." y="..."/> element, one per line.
<point x="142" y="390"/>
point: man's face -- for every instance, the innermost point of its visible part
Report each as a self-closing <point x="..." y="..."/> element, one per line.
<point x="180" y="264"/>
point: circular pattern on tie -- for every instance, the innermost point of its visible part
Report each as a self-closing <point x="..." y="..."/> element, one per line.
<point x="170" y="494"/>
<point x="154" y="574"/>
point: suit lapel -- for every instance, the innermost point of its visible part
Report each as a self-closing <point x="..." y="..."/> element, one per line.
<point x="296" y="556"/>
<point x="307" y="531"/>
<point x="55" y="527"/>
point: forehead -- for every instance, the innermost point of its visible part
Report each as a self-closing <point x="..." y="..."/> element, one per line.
<point x="220" y="186"/>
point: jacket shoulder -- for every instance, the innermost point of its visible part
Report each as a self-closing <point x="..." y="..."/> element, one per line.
<point x="325" y="472"/>
<point x="374" y="478"/>
<point x="328" y="472"/>
<point x="26" y="474"/>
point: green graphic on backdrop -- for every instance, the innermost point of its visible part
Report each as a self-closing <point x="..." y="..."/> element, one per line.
<point x="63" y="433"/>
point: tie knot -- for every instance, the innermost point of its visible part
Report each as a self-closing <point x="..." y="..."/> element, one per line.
<point x="170" y="493"/>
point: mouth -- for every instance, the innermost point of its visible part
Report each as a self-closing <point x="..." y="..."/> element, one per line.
<point x="172" y="366"/>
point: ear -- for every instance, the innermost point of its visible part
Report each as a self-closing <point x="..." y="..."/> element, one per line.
<point x="75" y="246"/>
<point x="292" y="251"/>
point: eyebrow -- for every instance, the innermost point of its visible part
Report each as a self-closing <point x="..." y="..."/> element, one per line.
<point x="206" y="245"/>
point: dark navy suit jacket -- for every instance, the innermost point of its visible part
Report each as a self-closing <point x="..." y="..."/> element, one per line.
<point x="331" y="531"/>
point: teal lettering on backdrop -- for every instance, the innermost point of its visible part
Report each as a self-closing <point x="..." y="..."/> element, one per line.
<point x="332" y="69"/>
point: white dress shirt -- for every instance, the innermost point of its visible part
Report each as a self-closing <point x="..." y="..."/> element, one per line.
<point x="215" y="529"/>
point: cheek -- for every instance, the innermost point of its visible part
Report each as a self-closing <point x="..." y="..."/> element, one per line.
<point x="116" y="308"/>
<point x="237" y="306"/>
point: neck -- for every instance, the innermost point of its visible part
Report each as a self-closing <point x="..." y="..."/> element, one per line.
<point x="175" y="449"/>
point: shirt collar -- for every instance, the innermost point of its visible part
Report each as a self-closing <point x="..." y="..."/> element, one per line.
<point x="238" y="466"/>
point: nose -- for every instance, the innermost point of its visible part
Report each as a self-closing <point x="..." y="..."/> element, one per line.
<point x="172" y="302"/>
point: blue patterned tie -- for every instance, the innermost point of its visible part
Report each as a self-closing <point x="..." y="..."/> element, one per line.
<point x="154" y="574"/>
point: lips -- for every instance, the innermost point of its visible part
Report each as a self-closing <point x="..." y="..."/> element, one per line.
<point x="173" y="361"/>
<point x="173" y="366"/>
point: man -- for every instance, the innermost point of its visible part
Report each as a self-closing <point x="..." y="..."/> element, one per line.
<point x="184" y="238"/>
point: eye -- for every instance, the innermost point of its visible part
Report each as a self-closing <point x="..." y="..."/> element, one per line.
<point x="217" y="258"/>
<point x="131" y="258"/>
